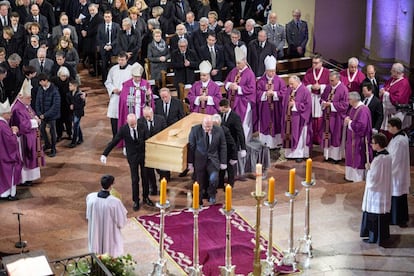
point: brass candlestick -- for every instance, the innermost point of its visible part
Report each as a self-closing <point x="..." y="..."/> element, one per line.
<point x="307" y="239"/>
<point x="289" y="257"/>
<point x="160" y="267"/>
<point x="196" y="269"/>
<point x="228" y="269"/>
<point x="268" y="264"/>
<point x="257" y="267"/>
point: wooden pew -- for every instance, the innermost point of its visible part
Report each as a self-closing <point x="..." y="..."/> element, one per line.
<point x="292" y="65"/>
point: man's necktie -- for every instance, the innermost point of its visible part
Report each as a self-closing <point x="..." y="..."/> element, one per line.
<point x="213" y="57"/>
<point x="41" y="66"/>
<point x="297" y="25"/>
<point x="151" y="126"/>
<point x="135" y="134"/>
<point x="207" y="140"/>
<point x="166" y="109"/>
<point x="366" y="101"/>
<point x="36" y="19"/>
<point x="182" y="7"/>
<point x="108" y="34"/>
<point x="273" y="29"/>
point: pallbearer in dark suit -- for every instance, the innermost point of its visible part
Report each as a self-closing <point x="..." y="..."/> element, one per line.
<point x="232" y="120"/>
<point x="173" y="111"/>
<point x="134" y="139"/>
<point x="152" y="124"/>
<point x="231" y="154"/>
<point x="371" y="77"/>
<point x="207" y="155"/>
<point x="374" y="104"/>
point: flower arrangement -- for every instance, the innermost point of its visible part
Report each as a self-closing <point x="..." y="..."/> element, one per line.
<point x="120" y="266"/>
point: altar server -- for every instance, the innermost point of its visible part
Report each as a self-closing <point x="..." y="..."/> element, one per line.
<point x="270" y="91"/>
<point x="106" y="217"/>
<point x="376" y="204"/>
<point x="205" y="95"/>
<point x="401" y="181"/>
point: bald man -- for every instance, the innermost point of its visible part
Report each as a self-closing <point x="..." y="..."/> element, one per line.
<point x="134" y="139"/>
<point x="275" y="34"/>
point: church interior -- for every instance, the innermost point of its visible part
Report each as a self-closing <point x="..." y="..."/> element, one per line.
<point x="53" y="208"/>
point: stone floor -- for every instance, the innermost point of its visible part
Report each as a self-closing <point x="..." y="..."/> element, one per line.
<point x="54" y="208"/>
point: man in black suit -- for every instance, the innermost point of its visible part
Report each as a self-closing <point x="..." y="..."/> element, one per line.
<point x="134" y="139"/>
<point x="129" y="41"/>
<point x="229" y="54"/>
<point x="371" y="77"/>
<point x="107" y="41"/>
<point x="374" y="104"/>
<point x="181" y="7"/>
<point x="231" y="154"/>
<point x="190" y="24"/>
<point x="215" y="55"/>
<point x="200" y="36"/>
<point x="250" y="32"/>
<point x="241" y="10"/>
<point x="181" y="32"/>
<point x="184" y="61"/>
<point x="152" y="124"/>
<point x="232" y="120"/>
<point x="297" y="35"/>
<point x="46" y="9"/>
<point x="257" y="51"/>
<point x="207" y="155"/>
<point x="4" y="14"/>
<point x="35" y="16"/>
<point x="173" y="111"/>
<point x="89" y="33"/>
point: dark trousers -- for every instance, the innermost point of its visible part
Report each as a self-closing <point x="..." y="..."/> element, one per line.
<point x="207" y="177"/>
<point x="64" y="123"/>
<point x="150" y="178"/>
<point x="106" y="63"/>
<point x="52" y="125"/>
<point x="230" y="176"/>
<point x="114" y="127"/>
<point x="164" y="174"/>
<point x="77" y="131"/>
<point x="134" y="167"/>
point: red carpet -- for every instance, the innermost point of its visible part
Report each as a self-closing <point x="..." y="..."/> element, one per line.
<point x="179" y="240"/>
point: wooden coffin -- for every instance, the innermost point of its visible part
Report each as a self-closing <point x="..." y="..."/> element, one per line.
<point x="167" y="150"/>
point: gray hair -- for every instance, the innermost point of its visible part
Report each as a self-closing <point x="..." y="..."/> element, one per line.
<point x="295" y="78"/>
<point x="251" y="21"/>
<point x="154" y="22"/>
<point x="236" y="32"/>
<point x="63" y="71"/>
<point x="183" y="40"/>
<point x="14" y="58"/>
<point x="203" y="20"/>
<point x="354" y="96"/>
<point x="216" y="119"/>
<point x="127" y="20"/>
<point x="335" y="74"/>
<point x="353" y="60"/>
<point x="398" y="67"/>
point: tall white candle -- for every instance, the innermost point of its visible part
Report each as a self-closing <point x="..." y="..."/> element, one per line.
<point x="259" y="172"/>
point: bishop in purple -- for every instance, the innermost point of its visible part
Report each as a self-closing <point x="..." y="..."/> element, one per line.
<point x="334" y="102"/>
<point x="296" y="121"/>
<point x="270" y="92"/>
<point x="358" y="153"/>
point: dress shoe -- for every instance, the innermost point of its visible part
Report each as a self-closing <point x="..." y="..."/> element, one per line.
<point x="71" y="145"/>
<point x="148" y="202"/>
<point x="184" y="173"/>
<point x="12" y="198"/>
<point x="46" y="147"/>
<point x="299" y="160"/>
<point x="52" y="153"/>
<point x="69" y="137"/>
<point x="136" y="206"/>
<point x="212" y="200"/>
<point x="27" y="183"/>
<point x="79" y="142"/>
<point x="58" y="139"/>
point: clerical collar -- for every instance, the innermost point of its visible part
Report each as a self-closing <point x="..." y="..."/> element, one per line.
<point x="269" y="78"/>
<point x="204" y="84"/>
<point x="123" y="67"/>
<point x="244" y="68"/>
<point x="103" y="193"/>
<point x="336" y="86"/>
<point x="136" y="84"/>
<point x="2" y="119"/>
<point x="401" y="132"/>
<point x="384" y="151"/>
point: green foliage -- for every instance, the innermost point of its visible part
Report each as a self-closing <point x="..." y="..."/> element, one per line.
<point x="120" y="266"/>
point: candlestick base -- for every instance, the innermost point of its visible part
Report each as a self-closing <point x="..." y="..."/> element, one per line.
<point x="160" y="268"/>
<point x="305" y="246"/>
<point x="289" y="259"/>
<point x="305" y="243"/>
<point x="196" y="271"/>
<point x="268" y="266"/>
<point x="228" y="270"/>
<point x="164" y="206"/>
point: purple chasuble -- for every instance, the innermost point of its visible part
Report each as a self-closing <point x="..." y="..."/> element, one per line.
<point x="213" y="90"/>
<point x="355" y="84"/>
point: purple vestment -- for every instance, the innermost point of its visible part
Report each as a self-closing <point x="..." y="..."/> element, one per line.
<point x="339" y="99"/>
<point x="299" y="118"/>
<point x="211" y="106"/>
<point x="10" y="163"/>
<point x="269" y="109"/>
<point x="355" y="84"/>
<point x="247" y="84"/>
<point x="30" y="147"/>
<point x="357" y="135"/>
<point x="399" y="89"/>
<point x="309" y="78"/>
